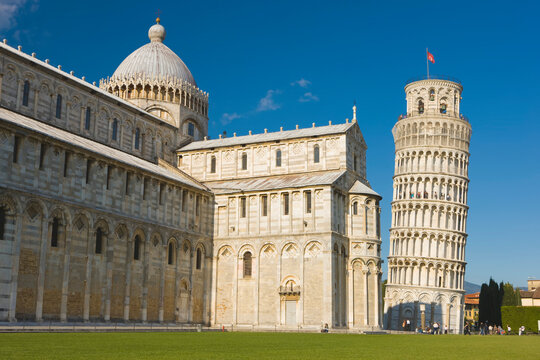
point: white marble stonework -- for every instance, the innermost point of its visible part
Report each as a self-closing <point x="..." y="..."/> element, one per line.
<point x="426" y="264"/>
<point x="115" y="206"/>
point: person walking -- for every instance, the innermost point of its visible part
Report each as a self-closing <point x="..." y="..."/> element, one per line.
<point x="508" y="328"/>
<point x="445" y="329"/>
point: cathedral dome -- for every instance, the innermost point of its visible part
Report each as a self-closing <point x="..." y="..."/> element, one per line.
<point x="154" y="61"/>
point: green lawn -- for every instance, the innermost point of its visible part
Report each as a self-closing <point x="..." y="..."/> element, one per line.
<point x="264" y="346"/>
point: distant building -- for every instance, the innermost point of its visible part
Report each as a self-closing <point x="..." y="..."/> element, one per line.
<point x="472" y="302"/>
<point x="531" y="296"/>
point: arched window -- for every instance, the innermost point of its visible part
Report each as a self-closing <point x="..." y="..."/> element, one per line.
<point x="420" y="107"/>
<point x="2" y="222"/>
<point x="366" y="216"/>
<point x="355" y="208"/>
<point x="264" y="205"/>
<point x="42" y="151"/>
<point x="316" y="154"/>
<point x="115" y="129"/>
<point x="59" y="106"/>
<point x="198" y="262"/>
<point x="170" y="257"/>
<point x="243" y="207"/>
<point x="54" y="232"/>
<point x="443" y="108"/>
<point x="137" y="138"/>
<point x="431" y="94"/>
<point x="16" y="148"/>
<point x="308" y="202"/>
<point x="26" y="93"/>
<point x="99" y="240"/>
<point x="191" y="129"/>
<point x="244" y="161"/>
<point x="137" y="248"/>
<point x="87" y="118"/>
<point x="286" y="204"/>
<point x="213" y="165"/>
<point x="247" y="264"/>
<point x="278" y="158"/>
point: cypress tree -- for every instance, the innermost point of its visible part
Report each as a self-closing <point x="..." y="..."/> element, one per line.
<point x="483" y="306"/>
<point x="500" y="296"/>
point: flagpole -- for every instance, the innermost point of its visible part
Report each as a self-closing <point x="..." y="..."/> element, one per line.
<point x="427" y="63"/>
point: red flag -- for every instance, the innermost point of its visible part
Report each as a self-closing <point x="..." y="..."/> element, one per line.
<point x="430" y="57"/>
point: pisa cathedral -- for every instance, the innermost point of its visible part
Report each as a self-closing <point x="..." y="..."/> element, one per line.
<point x="426" y="264"/>
<point x="116" y="206"/>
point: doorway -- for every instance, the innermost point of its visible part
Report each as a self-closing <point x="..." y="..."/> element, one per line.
<point x="290" y="312"/>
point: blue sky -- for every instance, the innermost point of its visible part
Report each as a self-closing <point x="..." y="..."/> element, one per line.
<point x="284" y="63"/>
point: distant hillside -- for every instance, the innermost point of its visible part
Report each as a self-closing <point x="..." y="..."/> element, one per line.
<point x="471" y="288"/>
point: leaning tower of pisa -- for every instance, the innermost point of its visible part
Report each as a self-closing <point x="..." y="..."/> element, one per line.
<point x="426" y="263"/>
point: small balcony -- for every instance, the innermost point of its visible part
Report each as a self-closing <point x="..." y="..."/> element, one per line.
<point x="289" y="290"/>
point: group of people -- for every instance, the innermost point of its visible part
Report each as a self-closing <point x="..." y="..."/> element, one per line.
<point x="482" y="328"/>
<point x="489" y="329"/>
<point x="433" y="329"/>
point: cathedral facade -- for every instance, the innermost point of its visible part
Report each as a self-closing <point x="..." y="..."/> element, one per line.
<point x="116" y="206"/>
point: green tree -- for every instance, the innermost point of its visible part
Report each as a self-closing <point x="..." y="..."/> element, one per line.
<point x="483" y="305"/>
<point x="491" y="297"/>
<point x="511" y="295"/>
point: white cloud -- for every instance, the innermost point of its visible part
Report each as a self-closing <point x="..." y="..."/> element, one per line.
<point x="227" y="118"/>
<point x="303" y="83"/>
<point x="307" y="97"/>
<point x="268" y="102"/>
<point x="8" y="10"/>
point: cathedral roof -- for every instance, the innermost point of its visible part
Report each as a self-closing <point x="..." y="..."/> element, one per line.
<point x="154" y="61"/>
<point x="96" y="147"/>
<point x="265" y="137"/>
<point x="265" y="183"/>
<point x="362" y="189"/>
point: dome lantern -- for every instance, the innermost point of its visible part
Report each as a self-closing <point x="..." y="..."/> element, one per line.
<point x="157" y="32"/>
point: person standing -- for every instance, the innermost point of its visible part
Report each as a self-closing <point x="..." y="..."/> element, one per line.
<point x="508" y="328"/>
<point x="445" y="329"/>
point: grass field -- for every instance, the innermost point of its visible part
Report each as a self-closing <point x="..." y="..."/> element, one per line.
<point x="264" y="346"/>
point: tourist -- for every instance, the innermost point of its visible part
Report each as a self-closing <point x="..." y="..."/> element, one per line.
<point x="521" y="330"/>
<point x="482" y="330"/>
<point x="490" y="330"/>
<point x="509" y="329"/>
<point x="445" y="329"/>
<point x="325" y="328"/>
